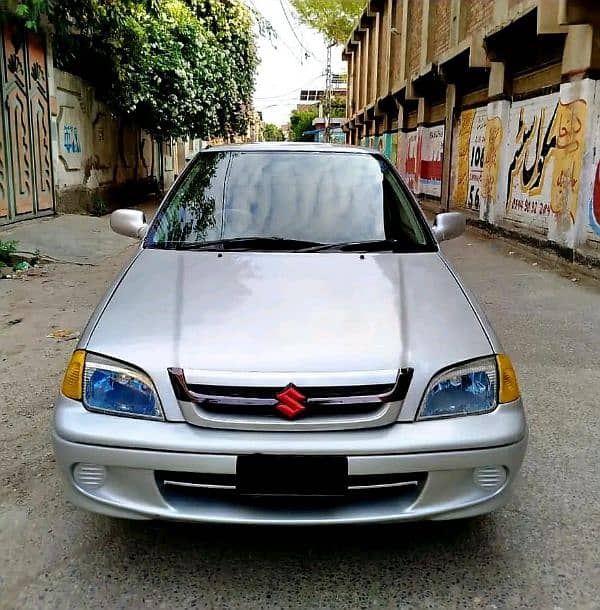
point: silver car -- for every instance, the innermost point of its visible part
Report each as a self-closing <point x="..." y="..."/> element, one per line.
<point x="288" y="345"/>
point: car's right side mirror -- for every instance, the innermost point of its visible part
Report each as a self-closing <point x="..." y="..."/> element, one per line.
<point x="449" y="225"/>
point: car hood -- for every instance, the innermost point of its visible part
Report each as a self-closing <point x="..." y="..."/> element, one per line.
<point x="277" y="312"/>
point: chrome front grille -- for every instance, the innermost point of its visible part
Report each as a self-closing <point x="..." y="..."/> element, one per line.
<point x="187" y="484"/>
<point x="327" y="407"/>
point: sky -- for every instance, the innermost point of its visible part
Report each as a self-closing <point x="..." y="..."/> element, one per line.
<point x="284" y="68"/>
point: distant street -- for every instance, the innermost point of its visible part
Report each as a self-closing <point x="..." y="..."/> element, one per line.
<point x="542" y="551"/>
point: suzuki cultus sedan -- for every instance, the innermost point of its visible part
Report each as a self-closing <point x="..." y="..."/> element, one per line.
<point x="288" y="345"/>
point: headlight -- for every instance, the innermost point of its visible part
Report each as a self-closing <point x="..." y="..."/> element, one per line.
<point x="468" y="389"/>
<point x="112" y="387"/>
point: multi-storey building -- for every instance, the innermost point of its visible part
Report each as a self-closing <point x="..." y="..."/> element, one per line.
<point x="491" y="106"/>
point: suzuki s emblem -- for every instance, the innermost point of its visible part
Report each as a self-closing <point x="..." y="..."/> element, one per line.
<point x="291" y="401"/>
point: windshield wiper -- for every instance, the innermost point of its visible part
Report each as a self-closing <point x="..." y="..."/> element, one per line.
<point x="377" y="245"/>
<point x="246" y="243"/>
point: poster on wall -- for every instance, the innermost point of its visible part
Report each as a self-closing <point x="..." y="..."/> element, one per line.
<point x="531" y="141"/>
<point x="546" y="137"/>
<point x="412" y="160"/>
<point x="382" y="143"/>
<point x="430" y="168"/>
<point x="471" y="151"/>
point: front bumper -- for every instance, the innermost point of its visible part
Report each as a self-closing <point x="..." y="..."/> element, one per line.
<point x="131" y="451"/>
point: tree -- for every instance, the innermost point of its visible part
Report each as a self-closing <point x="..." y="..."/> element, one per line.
<point x="174" y="67"/>
<point x="338" y="106"/>
<point x="301" y="121"/>
<point x="272" y="133"/>
<point x="335" y="19"/>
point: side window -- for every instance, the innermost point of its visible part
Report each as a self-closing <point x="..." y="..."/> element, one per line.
<point x="194" y="212"/>
<point x="399" y="215"/>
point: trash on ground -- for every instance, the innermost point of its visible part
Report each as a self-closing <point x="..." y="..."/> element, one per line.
<point x="63" y="334"/>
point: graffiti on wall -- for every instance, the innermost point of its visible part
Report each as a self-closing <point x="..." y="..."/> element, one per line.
<point x="381" y="143"/>
<point x="595" y="204"/>
<point x="412" y="160"/>
<point x="531" y="141"/>
<point x="569" y="130"/>
<point x="430" y="168"/>
<point x="471" y="153"/>
<point x="462" y="171"/>
<point x="71" y="139"/>
<point x="546" y="158"/>
<point x="420" y="159"/>
<point x="491" y="159"/>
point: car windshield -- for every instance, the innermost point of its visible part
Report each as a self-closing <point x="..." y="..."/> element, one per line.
<point x="288" y="200"/>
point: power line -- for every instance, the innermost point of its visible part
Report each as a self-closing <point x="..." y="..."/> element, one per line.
<point x="287" y="18"/>
<point x="278" y="36"/>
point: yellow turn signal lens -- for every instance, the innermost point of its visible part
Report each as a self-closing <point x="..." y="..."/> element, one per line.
<point x="509" y="386"/>
<point x="72" y="385"/>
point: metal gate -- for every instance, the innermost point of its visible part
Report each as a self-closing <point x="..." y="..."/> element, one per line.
<point x="26" y="181"/>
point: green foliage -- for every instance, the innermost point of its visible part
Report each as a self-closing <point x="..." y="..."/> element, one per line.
<point x="301" y="121"/>
<point x="338" y="107"/>
<point x="99" y="206"/>
<point x="30" y="12"/>
<point x="335" y="19"/>
<point x="7" y="249"/>
<point x="272" y="133"/>
<point x="175" y="67"/>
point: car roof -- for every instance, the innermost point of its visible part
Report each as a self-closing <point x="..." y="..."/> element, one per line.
<point x="291" y="147"/>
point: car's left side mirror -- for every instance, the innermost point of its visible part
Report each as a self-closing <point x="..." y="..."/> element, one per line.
<point x="131" y="223"/>
<point x="449" y="225"/>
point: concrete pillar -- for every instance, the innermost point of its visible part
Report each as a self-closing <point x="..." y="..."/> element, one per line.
<point x="494" y="181"/>
<point x="365" y="70"/>
<point x="385" y="44"/>
<point x="499" y="84"/>
<point x="426" y="15"/>
<point x="455" y="23"/>
<point x="404" y="42"/>
<point x="574" y="163"/>
<point x="447" y="162"/>
<point x="358" y="77"/>
<point x="374" y="34"/>
<point x="350" y="85"/>
<point x="582" y="50"/>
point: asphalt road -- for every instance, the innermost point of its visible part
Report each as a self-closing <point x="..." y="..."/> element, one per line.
<point x="542" y="551"/>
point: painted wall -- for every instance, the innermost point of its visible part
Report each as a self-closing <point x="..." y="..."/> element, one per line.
<point x="470" y="146"/>
<point x="384" y="144"/>
<point x="420" y="158"/>
<point x="533" y="164"/>
<point x="94" y="152"/>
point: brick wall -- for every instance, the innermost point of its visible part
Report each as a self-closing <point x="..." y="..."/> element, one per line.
<point x="396" y="46"/>
<point x="415" y="17"/>
<point x="477" y="14"/>
<point x="513" y="3"/>
<point x="439" y="27"/>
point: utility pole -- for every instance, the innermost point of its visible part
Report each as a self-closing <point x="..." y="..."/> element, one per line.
<point x="328" y="93"/>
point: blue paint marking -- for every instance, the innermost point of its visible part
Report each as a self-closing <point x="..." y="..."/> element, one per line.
<point x="593" y="222"/>
<point x="71" y="139"/>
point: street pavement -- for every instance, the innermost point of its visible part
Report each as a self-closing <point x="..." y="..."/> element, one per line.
<point x="541" y="551"/>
